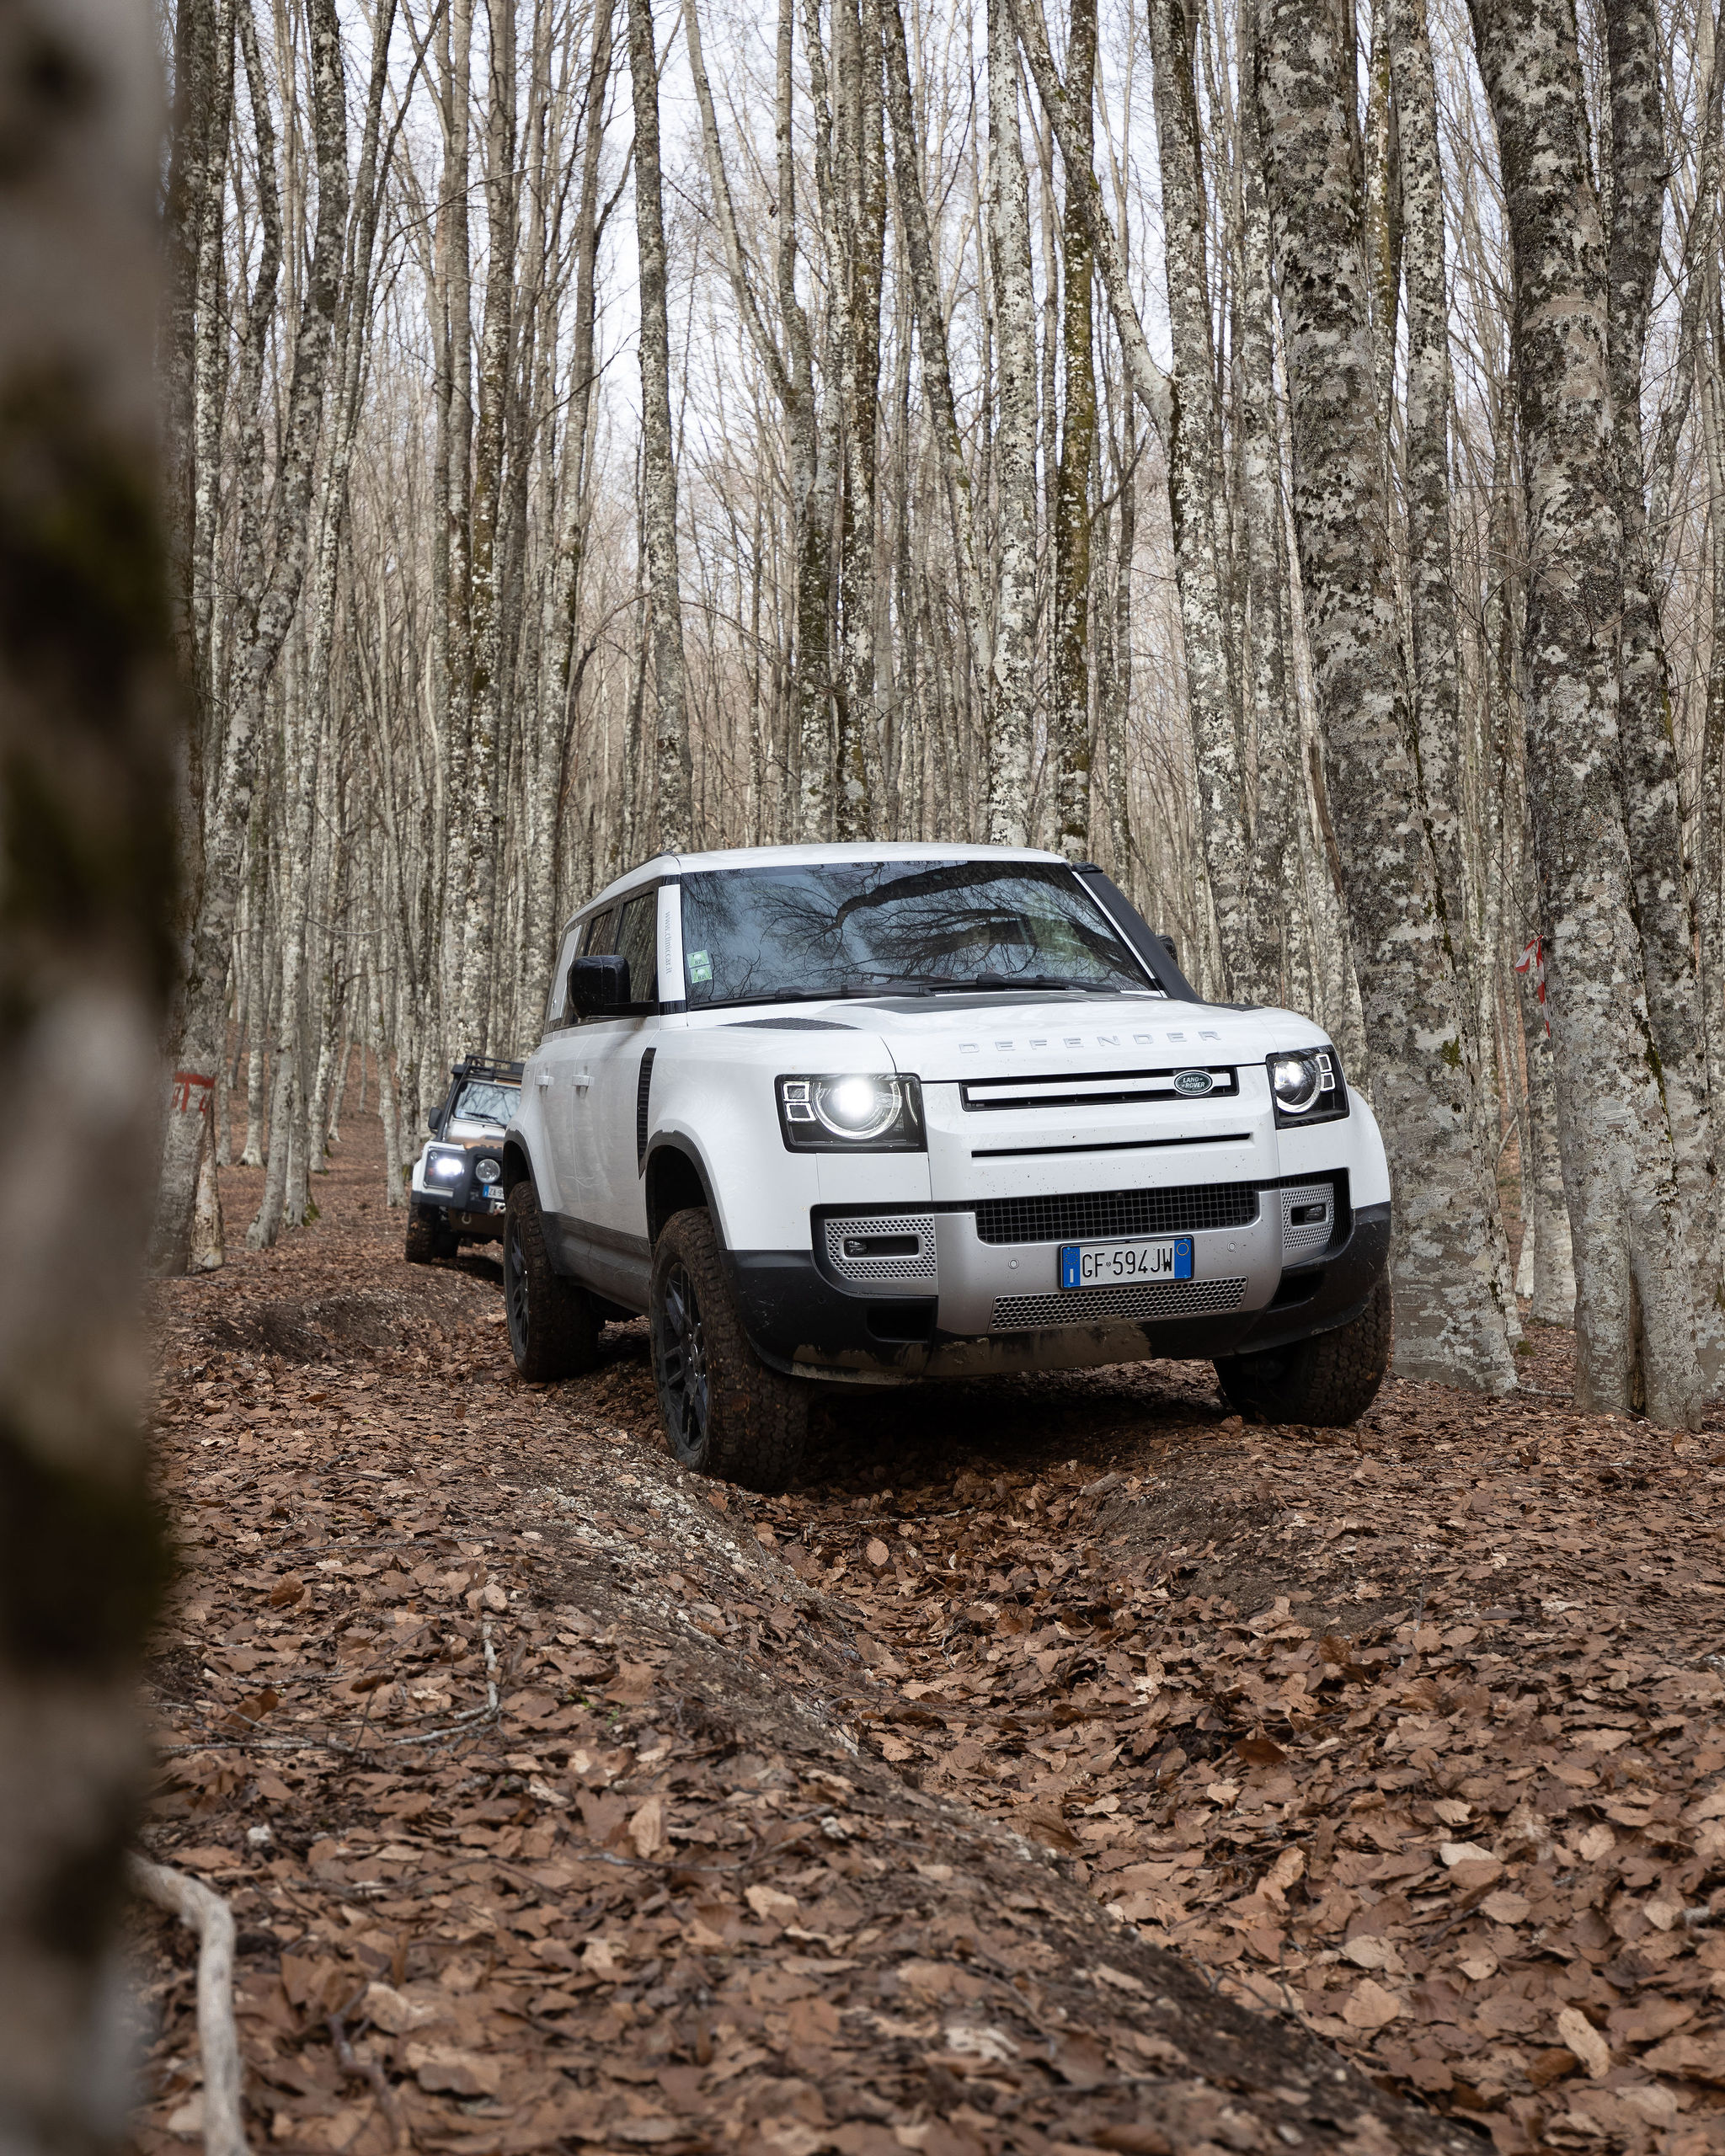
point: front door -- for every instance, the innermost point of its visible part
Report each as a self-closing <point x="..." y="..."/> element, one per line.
<point x="613" y="1201"/>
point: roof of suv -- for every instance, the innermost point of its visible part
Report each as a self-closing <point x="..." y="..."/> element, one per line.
<point x="796" y="856"/>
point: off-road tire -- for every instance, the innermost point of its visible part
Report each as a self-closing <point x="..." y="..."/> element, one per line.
<point x="553" y="1328"/>
<point x="725" y="1413"/>
<point x="428" y="1238"/>
<point x="1330" y="1380"/>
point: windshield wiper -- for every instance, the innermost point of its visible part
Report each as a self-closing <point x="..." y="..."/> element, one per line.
<point x="986" y="984"/>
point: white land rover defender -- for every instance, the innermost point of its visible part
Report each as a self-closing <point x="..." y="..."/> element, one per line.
<point x="857" y="1114"/>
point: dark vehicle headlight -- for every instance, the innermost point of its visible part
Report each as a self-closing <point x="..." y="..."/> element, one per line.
<point x="488" y="1170"/>
<point x="870" y="1111"/>
<point x="446" y="1167"/>
<point x="1307" y="1086"/>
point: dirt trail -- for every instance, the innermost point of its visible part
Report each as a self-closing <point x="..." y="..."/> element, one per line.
<point x="566" y="1800"/>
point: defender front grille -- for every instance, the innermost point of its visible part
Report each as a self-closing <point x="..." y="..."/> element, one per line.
<point x="1110" y="1215"/>
<point x="917" y="1263"/>
<point x="1102" y="1089"/>
<point x="1144" y="1298"/>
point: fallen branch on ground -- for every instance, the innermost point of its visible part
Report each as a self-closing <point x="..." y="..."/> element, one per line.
<point x="218" y="2041"/>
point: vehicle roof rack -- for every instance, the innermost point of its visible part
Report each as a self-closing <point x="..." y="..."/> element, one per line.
<point x="480" y="1066"/>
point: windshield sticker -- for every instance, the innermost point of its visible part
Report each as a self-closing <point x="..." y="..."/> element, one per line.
<point x="700" y="966"/>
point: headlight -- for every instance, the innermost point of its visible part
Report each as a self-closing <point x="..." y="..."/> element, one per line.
<point x="1307" y="1086"/>
<point x="488" y="1171"/>
<point x="447" y="1167"/>
<point x="880" y="1112"/>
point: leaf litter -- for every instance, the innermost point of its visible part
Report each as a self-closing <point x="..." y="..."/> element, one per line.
<point x="1068" y="1768"/>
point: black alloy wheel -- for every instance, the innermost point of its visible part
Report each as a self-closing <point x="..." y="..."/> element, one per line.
<point x="514" y="1290"/>
<point x="553" y="1328"/>
<point x="725" y="1412"/>
<point x="684" y="1387"/>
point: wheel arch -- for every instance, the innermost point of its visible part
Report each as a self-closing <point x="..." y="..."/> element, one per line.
<point x="676" y="1177"/>
<point x="516" y="1166"/>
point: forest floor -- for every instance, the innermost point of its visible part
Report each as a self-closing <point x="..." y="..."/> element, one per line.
<point x="1063" y="1766"/>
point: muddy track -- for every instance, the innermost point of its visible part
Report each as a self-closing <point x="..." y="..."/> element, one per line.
<point x="1064" y="1766"/>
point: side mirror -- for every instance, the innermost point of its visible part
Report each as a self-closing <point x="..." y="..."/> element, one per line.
<point x="1168" y="945"/>
<point x="434" y="1123"/>
<point x="598" y="985"/>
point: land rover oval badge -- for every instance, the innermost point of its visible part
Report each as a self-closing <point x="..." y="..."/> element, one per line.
<point x="1193" y="1081"/>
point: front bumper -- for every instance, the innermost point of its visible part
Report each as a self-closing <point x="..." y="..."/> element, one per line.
<point x="997" y="1306"/>
<point x="470" y="1207"/>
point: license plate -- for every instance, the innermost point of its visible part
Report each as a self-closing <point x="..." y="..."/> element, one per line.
<point x="1093" y="1265"/>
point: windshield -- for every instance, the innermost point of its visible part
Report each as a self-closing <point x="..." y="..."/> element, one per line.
<point x="479" y="1101"/>
<point x="911" y="927"/>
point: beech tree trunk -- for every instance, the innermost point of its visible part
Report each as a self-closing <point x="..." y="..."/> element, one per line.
<point x="1635" y="1307"/>
<point x="1013" y="715"/>
<point x="672" y="764"/>
<point x="1414" y="211"/>
<point x="932" y="337"/>
<point x="1449" y="1320"/>
<point x="1653" y="811"/>
<point x="90" y="722"/>
<point x="474" y="814"/>
<point x="1552" y="1286"/>
<point x="1711" y="819"/>
<point x="1194" y="492"/>
<point x="558" y="675"/>
<point x="1268" y="688"/>
<point x="1078" y="438"/>
<point x="862" y="193"/>
<point x="1432" y="574"/>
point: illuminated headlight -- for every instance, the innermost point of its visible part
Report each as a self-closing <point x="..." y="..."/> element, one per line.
<point x="1307" y="1086"/>
<point x="880" y="1112"/>
<point x="447" y="1168"/>
<point x="488" y="1171"/>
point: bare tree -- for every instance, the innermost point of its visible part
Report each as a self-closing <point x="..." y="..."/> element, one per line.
<point x="1014" y="448"/>
<point x="1653" y="809"/>
<point x="1635" y="1314"/>
<point x="1449" y="1321"/>
<point x="1078" y="446"/>
<point x="672" y="762"/>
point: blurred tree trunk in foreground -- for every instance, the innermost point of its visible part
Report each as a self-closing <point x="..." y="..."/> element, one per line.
<point x="87" y="706"/>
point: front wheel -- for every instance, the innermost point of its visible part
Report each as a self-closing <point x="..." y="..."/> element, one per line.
<point x="725" y="1412"/>
<point x="553" y="1328"/>
<point x="428" y="1235"/>
<point x="1330" y="1380"/>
